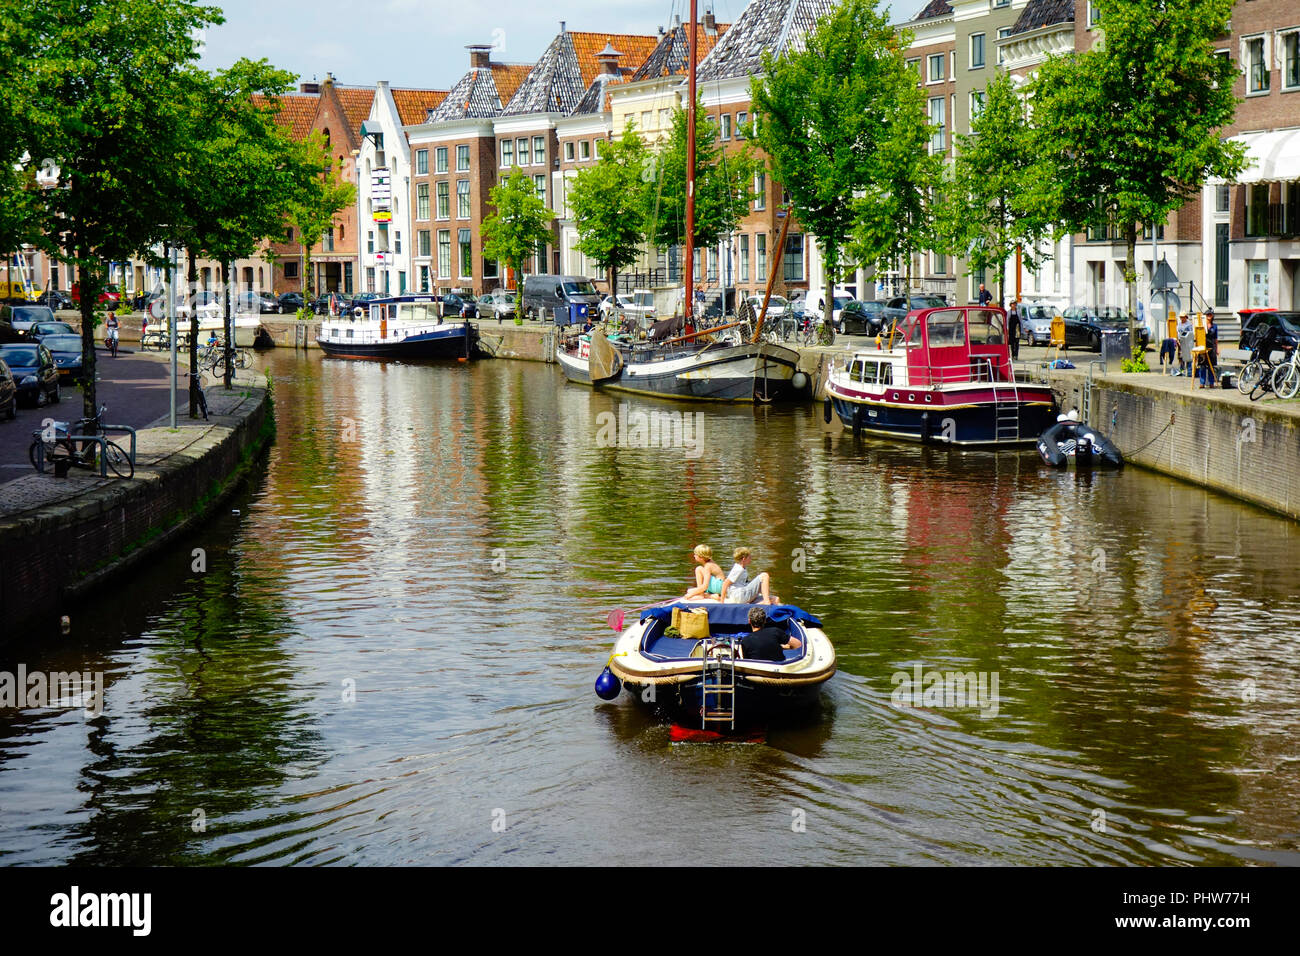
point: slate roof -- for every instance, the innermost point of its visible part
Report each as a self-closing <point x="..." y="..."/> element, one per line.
<point x="562" y="77"/>
<point x="596" y="99"/>
<point x="669" y="56"/>
<point x="414" y="105"/>
<point x="773" y="25"/>
<point x="935" y="8"/>
<point x="1043" y="13"/>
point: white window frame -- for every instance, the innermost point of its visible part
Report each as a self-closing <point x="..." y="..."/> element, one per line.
<point x="507" y="153"/>
<point x="930" y="62"/>
<point x="938" y="138"/>
<point x="1291" y="34"/>
<point x="523" y="151"/>
<point x="539" y="150"/>
<point x="741" y="120"/>
<point x="584" y="149"/>
<point x="983" y="51"/>
<point x="1003" y="33"/>
<point x="760" y="187"/>
<point x="440" y="160"/>
<point x="464" y="209"/>
<point x="976" y="104"/>
<point x="568" y="151"/>
<point x="724" y="126"/>
<point x="421" y="162"/>
<point x="462" y="158"/>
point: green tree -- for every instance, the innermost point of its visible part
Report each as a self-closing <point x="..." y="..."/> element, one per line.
<point x="103" y="88"/>
<point x="723" y="186"/>
<point x="608" y="204"/>
<point x="519" y="226"/>
<point x="896" y="214"/>
<point x="1129" y="130"/>
<point x="991" y="206"/>
<point x="314" y="209"/>
<point x="825" y="112"/>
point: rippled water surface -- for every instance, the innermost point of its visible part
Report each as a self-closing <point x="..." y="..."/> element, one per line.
<point x="389" y="658"/>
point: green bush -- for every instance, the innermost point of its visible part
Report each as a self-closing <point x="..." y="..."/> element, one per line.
<point x="1138" y="363"/>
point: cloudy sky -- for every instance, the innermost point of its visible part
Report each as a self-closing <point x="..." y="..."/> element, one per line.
<point x="421" y="43"/>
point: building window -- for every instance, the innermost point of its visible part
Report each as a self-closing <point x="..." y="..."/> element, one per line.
<point x="489" y="268"/>
<point x="976" y="104"/>
<point x="937" y="121"/>
<point x="466" y="255"/>
<point x="760" y="250"/>
<point x="422" y="201"/>
<point x="1221" y="195"/>
<point x="370" y="279"/>
<point x="584" y="150"/>
<point x="568" y="152"/>
<point x="422" y="243"/>
<point x="1257" y="209"/>
<point x="370" y="242"/>
<point x="462" y="158"/>
<point x="539" y="149"/>
<point x="347" y="278"/>
<point x="507" y="152"/>
<point x="291" y="270"/>
<point x="1094" y="15"/>
<point x="794" y="257"/>
<point x="939" y="264"/>
<point x="424" y="278"/>
<point x="725" y="125"/>
<point x="1001" y="3"/>
<point x="936" y="68"/>
<point x="525" y="157"/>
<point x="1257" y="72"/>
<point x="397" y="243"/>
<point x="444" y="200"/>
<point x="976" y="51"/>
<point x="647" y="117"/>
<point x="444" y="253"/>
<point x="539" y="181"/>
<point x="760" y="187"/>
<point x="744" y="257"/>
<point x="1291" y="61"/>
<point x="462" y="199"/>
<point x="665" y="119"/>
<point x="915" y="66"/>
<point x="421" y="162"/>
<point x="441" y="160"/>
<point x="327" y="243"/>
<point x="741" y="120"/>
<point x="1003" y="33"/>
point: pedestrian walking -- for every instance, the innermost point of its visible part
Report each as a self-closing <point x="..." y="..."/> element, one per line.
<point x="1013" y="329"/>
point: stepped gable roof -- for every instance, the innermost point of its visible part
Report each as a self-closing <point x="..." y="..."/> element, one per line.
<point x="670" y="54"/>
<point x="563" y="75"/>
<point x="293" y="112"/>
<point x="1043" y="13"/>
<point x="935" y="8"/>
<point x="414" y="105"/>
<point x="766" y="25"/>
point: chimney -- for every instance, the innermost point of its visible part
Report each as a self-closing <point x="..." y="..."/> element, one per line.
<point x="608" y="60"/>
<point x="479" y="54"/>
<point x="312" y="87"/>
<point x="709" y="24"/>
<point x="677" y="20"/>
<point x="561" y="26"/>
<point x="329" y="80"/>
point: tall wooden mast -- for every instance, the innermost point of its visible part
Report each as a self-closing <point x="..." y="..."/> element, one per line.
<point x="689" y="307"/>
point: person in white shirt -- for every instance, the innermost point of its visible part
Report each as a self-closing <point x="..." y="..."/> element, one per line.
<point x="739" y="589"/>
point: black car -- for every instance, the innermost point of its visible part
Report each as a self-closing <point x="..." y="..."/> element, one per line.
<point x="34" y="372"/>
<point x="66" y="350"/>
<point x="9" y="334"/>
<point x="1256" y="323"/>
<point x="39" y="330"/>
<point x="1085" y="325"/>
<point x="56" y="300"/>
<point x="897" y="308"/>
<point x="460" y="304"/>
<point x="259" y="303"/>
<point x="290" y="301"/>
<point x="862" y="318"/>
<point x="8" y="392"/>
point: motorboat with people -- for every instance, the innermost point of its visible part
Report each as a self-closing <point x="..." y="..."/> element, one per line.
<point x="697" y="669"/>
<point x="1072" y="442"/>
<point x="398" y="327"/>
<point x="944" y="375"/>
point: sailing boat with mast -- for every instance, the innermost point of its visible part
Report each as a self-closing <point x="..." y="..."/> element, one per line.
<point x="697" y="365"/>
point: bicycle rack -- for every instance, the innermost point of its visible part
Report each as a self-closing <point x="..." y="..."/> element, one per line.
<point x="101" y="440"/>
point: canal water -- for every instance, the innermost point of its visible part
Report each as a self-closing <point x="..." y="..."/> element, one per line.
<point x="382" y="652"/>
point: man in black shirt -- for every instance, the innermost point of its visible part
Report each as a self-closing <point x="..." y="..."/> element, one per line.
<point x="765" y="641"/>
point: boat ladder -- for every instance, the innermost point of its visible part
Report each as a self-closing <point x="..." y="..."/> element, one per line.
<point x="1006" y="411"/>
<point x="718" y="684"/>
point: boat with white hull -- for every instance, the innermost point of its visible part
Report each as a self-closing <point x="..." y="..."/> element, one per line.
<point x="402" y="327"/>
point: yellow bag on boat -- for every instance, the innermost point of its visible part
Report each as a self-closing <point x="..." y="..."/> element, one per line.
<point x="691" y="624"/>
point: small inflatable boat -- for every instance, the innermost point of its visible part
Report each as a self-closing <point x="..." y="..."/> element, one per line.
<point x="1070" y="442"/>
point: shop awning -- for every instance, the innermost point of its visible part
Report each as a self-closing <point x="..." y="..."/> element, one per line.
<point x="1272" y="157"/>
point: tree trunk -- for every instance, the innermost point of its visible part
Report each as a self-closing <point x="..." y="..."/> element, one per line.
<point x="192" y="276"/>
<point x="830" y="254"/>
<point x="1130" y="277"/>
<point x="88" y="284"/>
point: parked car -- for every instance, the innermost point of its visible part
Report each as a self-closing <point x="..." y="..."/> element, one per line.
<point x="543" y="294"/>
<point x="290" y="302"/>
<point x="33" y="370"/>
<point x="55" y="299"/>
<point x="614" y="303"/>
<point x="256" y="303"/>
<point x="66" y="350"/>
<point x="460" y="304"/>
<point x="8" y="392"/>
<point x="9" y="334"/>
<point x="1084" y="326"/>
<point x="861" y="318"/>
<point x="897" y="308"/>
<point x="816" y="301"/>
<point x="1255" y="323"/>
<point x="23" y="317"/>
<point x="110" y="296"/>
<point x="498" y="305"/>
<point x="1036" y="322"/>
<point x="777" y="306"/>
<point x="40" y="330"/>
<point x="362" y="301"/>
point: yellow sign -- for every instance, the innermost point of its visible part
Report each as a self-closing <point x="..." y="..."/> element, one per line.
<point x="383" y="215"/>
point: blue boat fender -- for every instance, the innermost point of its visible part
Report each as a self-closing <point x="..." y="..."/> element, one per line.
<point x="607" y="685"/>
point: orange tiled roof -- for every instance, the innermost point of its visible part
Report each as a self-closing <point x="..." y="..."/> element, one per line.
<point x="356" y="101"/>
<point x="295" y="112"/>
<point x="508" y="76"/>
<point x="414" y="105"/>
<point x="634" y="47"/>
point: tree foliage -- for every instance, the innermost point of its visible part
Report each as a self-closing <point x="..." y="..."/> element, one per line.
<point x="608" y="204"/>
<point x="520" y="224"/>
<point x="1129" y="129"/>
<point x="324" y="195"/>
<point x="826" y="121"/>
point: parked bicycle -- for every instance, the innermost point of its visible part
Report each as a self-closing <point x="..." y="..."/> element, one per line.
<point x="1286" y="376"/>
<point x="61" y="443"/>
<point x="1257" y="375"/>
